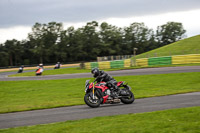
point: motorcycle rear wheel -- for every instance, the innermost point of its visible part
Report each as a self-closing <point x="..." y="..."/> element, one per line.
<point x="91" y="102"/>
<point x="128" y="100"/>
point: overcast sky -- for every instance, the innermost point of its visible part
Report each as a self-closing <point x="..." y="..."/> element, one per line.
<point x="18" y="16"/>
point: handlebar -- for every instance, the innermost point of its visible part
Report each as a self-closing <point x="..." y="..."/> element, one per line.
<point x="97" y="78"/>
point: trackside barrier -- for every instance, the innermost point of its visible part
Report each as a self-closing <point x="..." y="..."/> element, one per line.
<point x="167" y="60"/>
<point x="117" y="64"/>
<point x="144" y="62"/>
<point x="87" y="65"/>
<point x="104" y="65"/>
<point x="127" y="62"/>
<point x="186" y="59"/>
<point x="94" y="64"/>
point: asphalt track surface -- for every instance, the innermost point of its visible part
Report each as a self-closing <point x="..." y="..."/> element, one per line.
<point x="45" y="116"/>
<point x="145" y="71"/>
<point x="83" y="111"/>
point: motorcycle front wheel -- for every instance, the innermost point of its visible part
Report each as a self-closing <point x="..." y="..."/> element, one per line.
<point x="94" y="103"/>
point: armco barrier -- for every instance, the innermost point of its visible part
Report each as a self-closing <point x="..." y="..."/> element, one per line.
<point x="104" y="65"/>
<point x="142" y="62"/>
<point x="87" y="65"/>
<point x="127" y="63"/>
<point x="117" y="64"/>
<point x="186" y="59"/>
<point x="179" y="59"/>
<point x="193" y="58"/>
<point x="165" y="60"/>
<point x="94" y="64"/>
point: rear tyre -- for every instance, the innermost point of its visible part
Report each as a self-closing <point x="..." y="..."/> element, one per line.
<point x="128" y="100"/>
<point x="94" y="103"/>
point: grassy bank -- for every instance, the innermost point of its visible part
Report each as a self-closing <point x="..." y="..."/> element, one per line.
<point x="186" y="46"/>
<point x="30" y="95"/>
<point x="184" y="120"/>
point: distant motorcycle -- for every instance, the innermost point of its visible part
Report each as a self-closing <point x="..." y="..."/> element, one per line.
<point x="99" y="93"/>
<point x="21" y="69"/>
<point x="39" y="71"/>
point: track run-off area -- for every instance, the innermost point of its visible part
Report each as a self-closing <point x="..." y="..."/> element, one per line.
<point x="26" y="118"/>
<point x="144" y="71"/>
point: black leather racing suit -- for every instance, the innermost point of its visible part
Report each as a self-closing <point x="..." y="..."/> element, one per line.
<point x="110" y="81"/>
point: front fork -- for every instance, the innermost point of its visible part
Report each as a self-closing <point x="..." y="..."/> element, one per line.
<point x="98" y="94"/>
<point x="93" y="91"/>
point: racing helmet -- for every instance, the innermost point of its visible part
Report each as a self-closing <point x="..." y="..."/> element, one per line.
<point x="95" y="72"/>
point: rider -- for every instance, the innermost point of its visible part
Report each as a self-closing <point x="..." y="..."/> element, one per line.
<point x="21" y="68"/>
<point x="103" y="76"/>
<point x="39" y="69"/>
<point x="57" y="66"/>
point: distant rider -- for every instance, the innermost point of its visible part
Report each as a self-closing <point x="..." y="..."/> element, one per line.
<point x="39" y="70"/>
<point x="57" y="66"/>
<point x="21" y="69"/>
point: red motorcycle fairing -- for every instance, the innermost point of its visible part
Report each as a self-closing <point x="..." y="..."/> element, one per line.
<point x="102" y="86"/>
<point x="120" y="83"/>
<point x="105" y="98"/>
<point x="91" y="85"/>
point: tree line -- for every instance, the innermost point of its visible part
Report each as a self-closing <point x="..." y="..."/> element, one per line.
<point x="50" y="43"/>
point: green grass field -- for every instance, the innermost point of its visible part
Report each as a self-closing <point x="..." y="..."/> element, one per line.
<point x="186" y="46"/>
<point x="183" y="120"/>
<point x="30" y="95"/>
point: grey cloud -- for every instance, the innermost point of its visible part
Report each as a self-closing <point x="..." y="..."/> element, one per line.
<point x="27" y="12"/>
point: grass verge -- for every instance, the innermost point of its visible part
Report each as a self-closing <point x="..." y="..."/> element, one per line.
<point x="31" y="95"/>
<point x="53" y="72"/>
<point x="183" y="120"/>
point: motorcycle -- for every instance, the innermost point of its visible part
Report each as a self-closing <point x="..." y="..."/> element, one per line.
<point x="39" y="71"/>
<point x="100" y="93"/>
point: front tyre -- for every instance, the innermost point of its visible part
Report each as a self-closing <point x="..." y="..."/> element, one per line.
<point x="129" y="99"/>
<point x="94" y="103"/>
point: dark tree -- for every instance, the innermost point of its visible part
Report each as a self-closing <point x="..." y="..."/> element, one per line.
<point x="50" y="43"/>
<point x="137" y="35"/>
<point x="169" y="33"/>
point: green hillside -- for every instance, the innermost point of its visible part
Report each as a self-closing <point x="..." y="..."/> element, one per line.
<point x="186" y="46"/>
